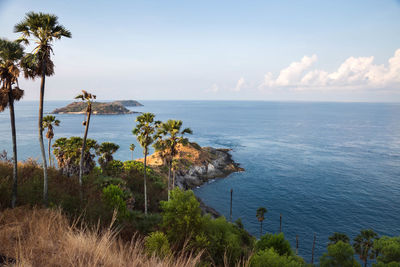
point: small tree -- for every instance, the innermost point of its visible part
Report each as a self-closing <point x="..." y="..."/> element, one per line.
<point x="49" y="122"/>
<point x="389" y="250"/>
<point x="363" y="245"/>
<point x="88" y="98"/>
<point x="275" y="241"/>
<point x="181" y="216"/>
<point x="260" y="216"/>
<point x="132" y="148"/>
<point x="339" y="254"/>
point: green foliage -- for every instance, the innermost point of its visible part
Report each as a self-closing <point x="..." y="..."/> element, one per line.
<point x="389" y="250"/>
<point x="181" y="216"/>
<point x="157" y="244"/>
<point x="68" y="154"/>
<point x="137" y="167"/>
<point x="114" y="197"/>
<point x="182" y="221"/>
<point x="336" y="237"/>
<point x="275" y="241"/>
<point x="339" y="254"/>
<point x="270" y="258"/>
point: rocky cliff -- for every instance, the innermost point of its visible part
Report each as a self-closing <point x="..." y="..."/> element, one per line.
<point x="195" y="165"/>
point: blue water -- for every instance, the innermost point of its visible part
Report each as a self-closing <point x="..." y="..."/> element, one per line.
<point x="325" y="167"/>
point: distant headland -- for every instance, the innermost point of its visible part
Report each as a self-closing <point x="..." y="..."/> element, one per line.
<point x="100" y="108"/>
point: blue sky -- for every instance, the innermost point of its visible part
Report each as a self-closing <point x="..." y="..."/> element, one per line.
<point x="221" y="50"/>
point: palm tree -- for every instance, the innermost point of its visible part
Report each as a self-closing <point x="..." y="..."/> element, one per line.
<point x="44" y="28"/>
<point x="260" y="216"/>
<point x="132" y="148"/>
<point x="49" y="122"/>
<point x="336" y="237"/>
<point x="144" y="130"/>
<point x="168" y="136"/>
<point x="10" y="55"/>
<point x="88" y="98"/>
<point x="363" y="243"/>
<point x="106" y="151"/>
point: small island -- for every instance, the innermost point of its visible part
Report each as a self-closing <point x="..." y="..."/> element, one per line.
<point x="100" y="108"/>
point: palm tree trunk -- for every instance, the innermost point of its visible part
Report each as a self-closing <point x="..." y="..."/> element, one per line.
<point x="365" y="262"/>
<point x="169" y="178"/>
<point x="83" y="148"/>
<point x="132" y="155"/>
<point x="144" y="181"/>
<point x="49" y="152"/>
<point x="40" y="126"/>
<point x="173" y="179"/>
<point x="14" y="141"/>
<point x="261" y="229"/>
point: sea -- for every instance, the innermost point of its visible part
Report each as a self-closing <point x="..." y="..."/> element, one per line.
<point x="325" y="167"/>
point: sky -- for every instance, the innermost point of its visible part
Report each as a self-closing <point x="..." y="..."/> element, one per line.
<point x="298" y="50"/>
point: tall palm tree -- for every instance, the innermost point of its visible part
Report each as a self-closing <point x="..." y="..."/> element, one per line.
<point x="49" y="122"/>
<point x="132" y="148"/>
<point x="168" y="136"/>
<point x="260" y="216"/>
<point x="144" y="130"/>
<point x="88" y="98"/>
<point x="10" y="55"/>
<point x="336" y="237"/>
<point x="44" y="29"/>
<point x="363" y="245"/>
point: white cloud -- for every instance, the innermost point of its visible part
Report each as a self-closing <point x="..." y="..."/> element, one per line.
<point x="354" y="73"/>
<point x="213" y="89"/>
<point x="239" y="85"/>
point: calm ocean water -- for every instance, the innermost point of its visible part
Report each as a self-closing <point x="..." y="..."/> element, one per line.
<point x="325" y="167"/>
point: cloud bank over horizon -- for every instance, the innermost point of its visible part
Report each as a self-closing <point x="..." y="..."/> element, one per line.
<point x="354" y="73"/>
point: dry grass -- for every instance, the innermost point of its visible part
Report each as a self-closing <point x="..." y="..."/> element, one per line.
<point x="44" y="237"/>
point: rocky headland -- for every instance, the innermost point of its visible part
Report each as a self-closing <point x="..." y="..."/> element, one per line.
<point x="99" y="108"/>
<point x="196" y="165"/>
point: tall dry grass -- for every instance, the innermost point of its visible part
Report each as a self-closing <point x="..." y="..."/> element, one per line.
<point x="44" y="237"/>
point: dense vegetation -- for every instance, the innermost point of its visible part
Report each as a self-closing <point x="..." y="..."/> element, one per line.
<point x="125" y="208"/>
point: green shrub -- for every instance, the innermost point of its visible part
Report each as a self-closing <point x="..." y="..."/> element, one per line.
<point x="339" y="254"/>
<point x="389" y="250"/>
<point x="275" y="241"/>
<point x="114" y="198"/>
<point x="157" y="244"/>
<point x="270" y="258"/>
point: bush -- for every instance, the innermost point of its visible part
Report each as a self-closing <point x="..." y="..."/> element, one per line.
<point x="389" y="250"/>
<point x="181" y="216"/>
<point x="275" y="241"/>
<point x="114" y="198"/>
<point x="157" y="244"/>
<point x="270" y="258"/>
<point x="339" y="254"/>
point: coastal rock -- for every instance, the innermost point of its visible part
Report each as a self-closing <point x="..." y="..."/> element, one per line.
<point x="220" y="165"/>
